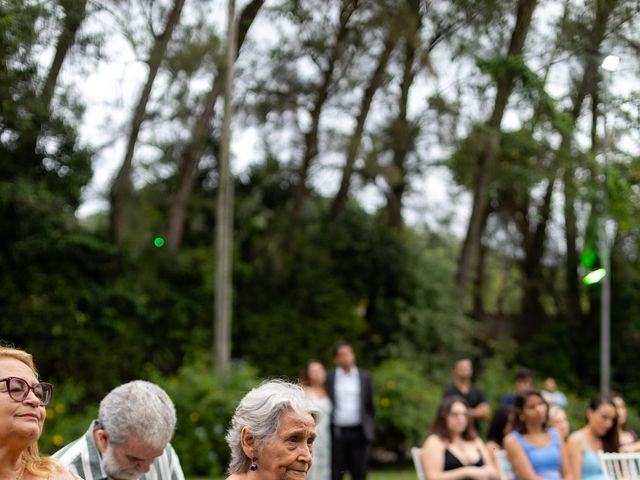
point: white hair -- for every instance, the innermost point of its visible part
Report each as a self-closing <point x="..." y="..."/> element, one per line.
<point x="260" y="411"/>
<point x="138" y="408"/>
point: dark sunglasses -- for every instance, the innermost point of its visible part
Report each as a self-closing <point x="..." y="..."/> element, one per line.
<point x="18" y="389"/>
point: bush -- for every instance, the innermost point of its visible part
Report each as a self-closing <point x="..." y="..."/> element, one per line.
<point x="67" y="419"/>
<point x="205" y="403"/>
<point x="406" y="402"/>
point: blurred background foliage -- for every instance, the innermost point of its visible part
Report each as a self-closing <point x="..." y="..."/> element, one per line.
<point x="337" y="232"/>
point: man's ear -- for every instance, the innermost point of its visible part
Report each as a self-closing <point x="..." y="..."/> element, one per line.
<point x="101" y="438"/>
<point x="248" y="442"/>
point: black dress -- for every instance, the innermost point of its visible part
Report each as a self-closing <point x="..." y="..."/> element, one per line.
<point x="451" y="462"/>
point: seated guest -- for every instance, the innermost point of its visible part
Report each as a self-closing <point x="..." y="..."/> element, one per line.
<point x="558" y="420"/>
<point x="130" y="438"/>
<point x="501" y="424"/>
<point x="23" y="398"/>
<point x="552" y="395"/>
<point x="453" y="449"/>
<point x="628" y="438"/>
<point x="600" y="433"/>
<point x="535" y="451"/>
<point x="272" y="433"/>
<point x="523" y="381"/>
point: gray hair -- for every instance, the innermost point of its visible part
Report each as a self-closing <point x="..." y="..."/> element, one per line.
<point x="138" y="408"/>
<point x="260" y="411"/>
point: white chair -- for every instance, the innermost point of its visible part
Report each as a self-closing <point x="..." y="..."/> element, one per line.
<point x="416" y="455"/>
<point x="620" y="466"/>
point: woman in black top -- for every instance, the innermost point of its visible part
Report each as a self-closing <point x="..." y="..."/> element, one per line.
<point x="453" y="450"/>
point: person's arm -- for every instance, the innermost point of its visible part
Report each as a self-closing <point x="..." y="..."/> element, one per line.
<point x="433" y="463"/>
<point x="518" y="459"/>
<point x="565" y="464"/>
<point x="480" y="412"/>
<point x="632" y="447"/>
<point x="576" y="453"/>
<point x="488" y="459"/>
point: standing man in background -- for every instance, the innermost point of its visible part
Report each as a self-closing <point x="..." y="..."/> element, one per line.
<point x="352" y="423"/>
<point x="463" y="387"/>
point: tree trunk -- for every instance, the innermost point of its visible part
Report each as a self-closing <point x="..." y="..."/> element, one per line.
<point x="121" y="189"/>
<point x="74" y="14"/>
<point x="340" y="199"/>
<point x="398" y="185"/>
<point x="321" y="96"/>
<point x="487" y="162"/>
<point x="195" y="148"/>
<point x="224" y="215"/>
<point x="589" y="78"/>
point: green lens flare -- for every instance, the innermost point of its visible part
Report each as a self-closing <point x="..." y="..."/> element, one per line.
<point x="158" y="242"/>
<point x="595" y="276"/>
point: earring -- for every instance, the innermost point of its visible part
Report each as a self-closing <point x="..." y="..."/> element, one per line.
<point x="253" y="466"/>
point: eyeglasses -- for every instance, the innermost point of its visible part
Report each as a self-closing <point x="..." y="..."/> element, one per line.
<point x="18" y="389"/>
<point x="458" y="414"/>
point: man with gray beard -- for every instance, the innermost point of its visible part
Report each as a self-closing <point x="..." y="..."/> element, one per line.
<point x="130" y="438"/>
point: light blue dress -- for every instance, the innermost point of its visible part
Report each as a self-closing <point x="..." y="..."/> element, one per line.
<point x="546" y="461"/>
<point x="591" y="469"/>
<point x="321" y="467"/>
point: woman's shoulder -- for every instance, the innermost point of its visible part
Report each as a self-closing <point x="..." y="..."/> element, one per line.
<point x="65" y="475"/>
<point x="433" y="441"/>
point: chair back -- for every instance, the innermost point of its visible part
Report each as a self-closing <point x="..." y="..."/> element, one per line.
<point x="416" y="455"/>
<point x="620" y="466"/>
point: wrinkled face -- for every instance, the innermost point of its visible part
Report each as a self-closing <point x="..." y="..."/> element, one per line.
<point x="458" y="418"/>
<point x="128" y="461"/>
<point x="345" y="357"/>
<point x="534" y="410"/>
<point x="20" y="422"/>
<point x="316" y="373"/>
<point x="601" y="419"/>
<point x="463" y="369"/>
<point x="621" y="410"/>
<point x="287" y="455"/>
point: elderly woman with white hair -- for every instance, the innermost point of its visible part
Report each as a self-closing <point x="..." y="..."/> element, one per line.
<point x="272" y="433"/>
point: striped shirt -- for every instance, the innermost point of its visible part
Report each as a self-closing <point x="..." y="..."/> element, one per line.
<point x="82" y="457"/>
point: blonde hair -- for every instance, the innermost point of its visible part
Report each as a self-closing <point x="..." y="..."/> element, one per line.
<point x="33" y="462"/>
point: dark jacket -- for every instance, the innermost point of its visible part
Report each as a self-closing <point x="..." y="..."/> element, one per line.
<point x="367" y="410"/>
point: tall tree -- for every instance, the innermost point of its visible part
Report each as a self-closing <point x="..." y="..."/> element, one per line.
<point x="487" y="161"/>
<point x="194" y="149"/>
<point x="347" y="9"/>
<point x="122" y="188"/>
<point x="375" y="82"/>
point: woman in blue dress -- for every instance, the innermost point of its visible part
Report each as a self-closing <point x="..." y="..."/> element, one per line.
<point x="600" y="433"/>
<point x="535" y="451"/>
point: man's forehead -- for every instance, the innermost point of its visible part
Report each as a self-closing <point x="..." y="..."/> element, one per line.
<point x="134" y="446"/>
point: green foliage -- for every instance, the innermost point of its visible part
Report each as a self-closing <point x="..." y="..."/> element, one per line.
<point x="406" y="401"/>
<point x="68" y="417"/>
<point x="205" y="403"/>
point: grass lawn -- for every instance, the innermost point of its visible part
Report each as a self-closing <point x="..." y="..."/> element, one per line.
<point x="377" y="475"/>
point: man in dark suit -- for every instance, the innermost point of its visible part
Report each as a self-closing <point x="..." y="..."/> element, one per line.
<point x="352" y="422"/>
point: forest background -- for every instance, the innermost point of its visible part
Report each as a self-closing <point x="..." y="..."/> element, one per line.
<point x="360" y="111"/>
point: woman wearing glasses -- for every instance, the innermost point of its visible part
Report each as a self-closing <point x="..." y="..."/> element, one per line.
<point x="22" y="412"/>
<point x="453" y="450"/>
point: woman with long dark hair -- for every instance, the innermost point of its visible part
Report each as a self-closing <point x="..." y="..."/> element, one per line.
<point x="600" y="433"/>
<point x="535" y="451"/>
<point x="453" y="450"/>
